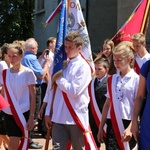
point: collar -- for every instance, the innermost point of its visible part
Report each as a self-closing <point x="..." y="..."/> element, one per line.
<point x="128" y="75"/>
<point x="102" y="78"/>
<point x="145" y="56"/>
<point x="28" y="52"/>
<point x="74" y="59"/>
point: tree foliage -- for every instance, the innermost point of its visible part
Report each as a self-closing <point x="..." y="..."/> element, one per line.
<point x="16" y="20"/>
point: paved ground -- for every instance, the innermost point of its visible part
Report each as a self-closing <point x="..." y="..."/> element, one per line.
<point x="41" y="141"/>
<point x="38" y="138"/>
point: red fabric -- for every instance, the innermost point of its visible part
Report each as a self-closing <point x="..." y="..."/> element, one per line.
<point x="113" y="117"/>
<point x="134" y="24"/>
<point x="79" y="124"/>
<point x="14" y="112"/>
<point x="92" y="70"/>
<point x="68" y="146"/>
<point x="54" y="13"/>
<point x="3" y="102"/>
<point x="136" y="68"/>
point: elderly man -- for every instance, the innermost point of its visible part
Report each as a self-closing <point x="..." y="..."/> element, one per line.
<point x="30" y="60"/>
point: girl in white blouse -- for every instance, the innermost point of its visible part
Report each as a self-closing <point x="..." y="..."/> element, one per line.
<point x="19" y="90"/>
<point x="122" y="89"/>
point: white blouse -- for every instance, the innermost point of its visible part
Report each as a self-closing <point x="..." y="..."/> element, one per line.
<point x="125" y="91"/>
<point x="19" y="82"/>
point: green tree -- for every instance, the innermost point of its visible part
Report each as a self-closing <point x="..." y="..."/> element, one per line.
<point x="16" y="20"/>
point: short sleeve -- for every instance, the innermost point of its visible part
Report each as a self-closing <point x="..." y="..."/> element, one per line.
<point x="31" y="78"/>
<point x="145" y="68"/>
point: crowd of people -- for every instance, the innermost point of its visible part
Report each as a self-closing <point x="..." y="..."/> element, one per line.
<point x="81" y="110"/>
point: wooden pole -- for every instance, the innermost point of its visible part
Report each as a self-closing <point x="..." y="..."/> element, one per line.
<point x="47" y="139"/>
<point x="51" y="112"/>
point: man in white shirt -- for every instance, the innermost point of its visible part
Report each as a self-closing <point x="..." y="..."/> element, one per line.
<point x="141" y="54"/>
<point x="70" y="105"/>
<point x="51" y="42"/>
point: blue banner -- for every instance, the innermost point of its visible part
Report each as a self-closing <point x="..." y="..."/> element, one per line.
<point x="59" y="53"/>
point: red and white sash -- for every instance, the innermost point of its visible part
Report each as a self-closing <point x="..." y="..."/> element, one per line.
<point x="136" y="67"/>
<point x="94" y="107"/>
<point x="16" y="111"/>
<point x="88" y="137"/>
<point x="115" y="114"/>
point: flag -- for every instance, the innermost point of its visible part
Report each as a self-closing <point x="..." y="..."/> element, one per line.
<point x="3" y="102"/>
<point x="76" y="22"/>
<point x="50" y="18"/>
<point x="59" y="54"/>
<point x="137" y="23"/>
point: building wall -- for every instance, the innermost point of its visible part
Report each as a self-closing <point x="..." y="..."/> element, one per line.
<point x="103" y="19"/>
<point x="42" y="33"/>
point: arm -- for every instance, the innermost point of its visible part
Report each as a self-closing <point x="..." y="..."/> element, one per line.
<point x="80" y="80"/>
<point x="45" y="67"/>
<point x="40" y="114"/>
<point x="127" y="135"/>
<point x="48" y="100"/>
<point x="41" y="57"/>
<point x="2" y="91"/>
<point x="138" y="106"/>
<point x="103" y="121"/>
<point x="32" y="92"/>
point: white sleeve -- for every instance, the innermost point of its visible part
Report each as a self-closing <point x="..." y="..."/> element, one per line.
<point x="48" y="98"/>
<point x="79" y="83"/>
<point x="48" y="90"/>
<point x="107" y="94"/>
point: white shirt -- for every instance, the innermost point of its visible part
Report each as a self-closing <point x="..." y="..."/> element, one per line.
<point x="19" y="82"/>
<point x="3" y="66"/>
<point x="74" y="82"/>
<point x="126" y="90"/>
<point x="140" y="61"/>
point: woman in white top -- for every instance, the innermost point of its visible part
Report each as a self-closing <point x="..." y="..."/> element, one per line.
<point x="4" y="64"/>
<point x="122" y="89"/>
<point x="19" y="90"/>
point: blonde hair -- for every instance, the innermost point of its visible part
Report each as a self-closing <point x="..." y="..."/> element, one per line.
<point x="127" y="43"/>
<point x="110" y="43"/>
<point x="139" y="37"/>
<point x="21" y="42"/>
<point x="50" y="40"/>
<point x="18" y="46"/>
<point x="74" y="37"/>
<point x="126" y="52"/>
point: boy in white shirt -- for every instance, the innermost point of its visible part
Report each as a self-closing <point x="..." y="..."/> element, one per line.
<point x="70" y="105"/>
<point x="141" y="54"/>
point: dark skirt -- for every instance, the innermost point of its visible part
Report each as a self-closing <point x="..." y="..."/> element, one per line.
<point x="12" y="128"/>
<point x="111" y="142"/>
<point x="2" y="124"/>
